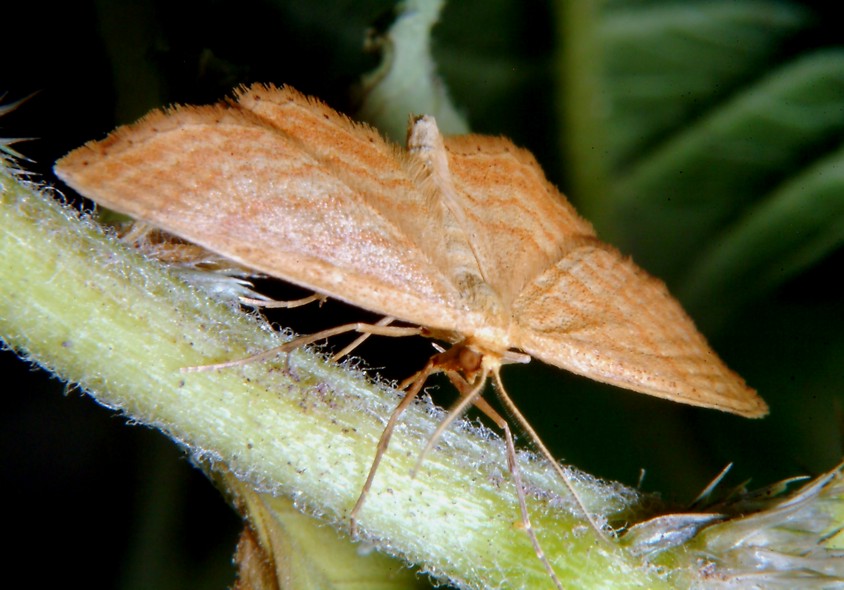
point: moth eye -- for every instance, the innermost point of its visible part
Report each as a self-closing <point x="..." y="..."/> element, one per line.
<point x="470" y="360"/>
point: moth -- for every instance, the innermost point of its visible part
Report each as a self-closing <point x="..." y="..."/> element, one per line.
<point x="462" y="239"/>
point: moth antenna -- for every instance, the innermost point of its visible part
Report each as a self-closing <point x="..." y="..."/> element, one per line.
<point x="454" y="412"/>
<point x="520" y="493"/>
<point x="418" y="381"/>
<point x="564" y="477"/>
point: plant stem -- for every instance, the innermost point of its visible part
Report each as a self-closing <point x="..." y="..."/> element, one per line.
<point x="96" y="313"/>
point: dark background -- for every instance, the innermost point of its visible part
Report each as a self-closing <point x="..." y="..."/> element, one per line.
<point x="99" y="502"/>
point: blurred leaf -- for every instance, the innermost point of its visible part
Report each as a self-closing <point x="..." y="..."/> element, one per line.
<point x="712" y="174"/>
<point x="669" y="62"/>
<point x="406" y="83"/>
<point x="791" y="229"/>
<point x="703" y="116"/>
<point x="704" y="139"/>
<point x="637" y="73"/>
<point x="283" y="549"/>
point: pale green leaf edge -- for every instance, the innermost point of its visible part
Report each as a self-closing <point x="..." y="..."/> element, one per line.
<point x="406" y="82"/>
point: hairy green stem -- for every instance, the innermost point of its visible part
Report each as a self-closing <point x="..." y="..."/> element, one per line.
<point x="81" y="304"/>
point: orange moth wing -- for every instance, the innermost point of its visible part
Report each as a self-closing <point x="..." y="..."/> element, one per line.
<point x="464" y="235"/>
<point x="231" y="181"/>
<point x="597" y="314"/>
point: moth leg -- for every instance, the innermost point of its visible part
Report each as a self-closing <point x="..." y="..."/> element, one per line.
<point x="377" y="329"/>
<point x="463" y="386"/>
<point x="471" y="394"/>
<point x="466" y="390"/>
<point x="513" y="464"/>
<point x="385" y="321"/>
<point x="454" y="412"/>
<point x="136" y="232"/>
<point x="464" y="368"/>
<point x="272" y="304"/>
<point x="564" y="477"/>
<point x="415" y="382"/>
<point x="308" y="339"/>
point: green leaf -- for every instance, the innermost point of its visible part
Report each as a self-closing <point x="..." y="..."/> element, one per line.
<point x="635" y="74"/>
<point x="406" y="83"/>
<point x="283" y="549"/>
<point x="704" y="139"/>
<point x="713" y="173"/>
<point x="789" y="230"/>
<point x="667" y="63"/>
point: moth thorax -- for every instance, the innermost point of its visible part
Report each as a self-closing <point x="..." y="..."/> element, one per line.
<point x="491" y="339"/>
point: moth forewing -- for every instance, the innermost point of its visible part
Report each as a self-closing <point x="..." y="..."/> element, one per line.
<point x="597" y="314"/>
<point x="463" y="237"/>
